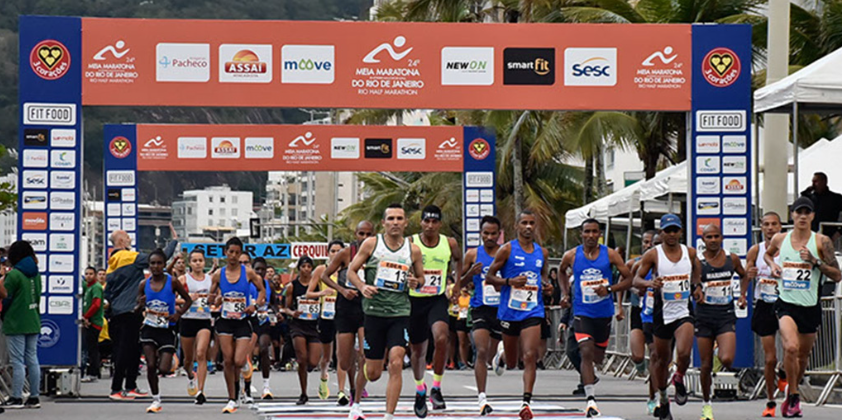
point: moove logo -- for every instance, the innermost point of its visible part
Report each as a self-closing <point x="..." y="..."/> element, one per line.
<point x="307" y="64"/>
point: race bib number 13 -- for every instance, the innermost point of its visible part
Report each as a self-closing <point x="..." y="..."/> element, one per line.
<point x="391" y="276"/>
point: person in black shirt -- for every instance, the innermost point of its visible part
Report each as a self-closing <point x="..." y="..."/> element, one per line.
<point x="828" y="204"/>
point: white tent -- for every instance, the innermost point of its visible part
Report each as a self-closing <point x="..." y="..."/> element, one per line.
<point x="814" y="88"/>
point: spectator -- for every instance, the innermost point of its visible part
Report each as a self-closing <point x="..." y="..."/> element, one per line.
<point x="125" y="272"/>
<point x="21" y="289"/>
<point x="556" y="288"/>
<point x="828" y="204"/>
<point x="92" y="318"/>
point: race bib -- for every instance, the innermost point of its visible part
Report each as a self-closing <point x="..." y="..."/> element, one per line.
<point x="156" y="319"/>
<point x="589" y="295"/>
<point x="329" y="307"/>
<point x="233" y="307"/>
<point x="432" y="282"/>
<point x="273" y="319"/>
<point x="309" y="309"/>
<point x="768" y="289"/>
<point x="675" y="288"/>
<point x="391" y="276"/>
<point x="523" y="298"/>
<point x="263" y="316"/>
<point x="649" y="300"/>
<point x="463" y="313"/>
<point x="796" y="275"/>
<point x="490" y="295"/>
<point x="200" y="304"/>
<point x="718" y="292"/>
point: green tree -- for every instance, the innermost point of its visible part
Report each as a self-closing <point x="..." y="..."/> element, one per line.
<point x="8" y="193"/>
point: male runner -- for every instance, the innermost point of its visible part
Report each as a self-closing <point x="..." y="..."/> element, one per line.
<point x="676" y="271"/>
<point x="327" y="296"/>
<point x="519" y="269"/>
<point x="592" y="300"/>
<point x="804" y="257"/>
<point x="231" y="286"/>
<point x="156" y="303"/>
<point x="647" y="308"/>
<point x="716" y="319"/>
<point x="196" y="328"/>
<point x="637" y="339"/>
<point x="429" y="307"/>
<point x="265" y="318"/>
<point x="763" y="320"/>
<point x="393" y="266"/>
<point x="349" y="306"/>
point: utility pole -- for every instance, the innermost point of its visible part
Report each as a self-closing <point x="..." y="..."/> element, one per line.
<point x="776" y="126"/>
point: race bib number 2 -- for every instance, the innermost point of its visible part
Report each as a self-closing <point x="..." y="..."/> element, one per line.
<point x="796" y="275"/>
<point x="675" y="288"/>
<point x="523" y="298"/>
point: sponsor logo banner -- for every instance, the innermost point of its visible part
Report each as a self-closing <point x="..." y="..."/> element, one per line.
<point x="467" y="66"/>
<point x="307" y="64"/>
<point x="378" y="148"/>
<point x="182" y="62"/>
<point x="590" y="67"/>
<point x="36" y="137"/>
<point x="49" y="59"/>
<point x="241" y="63"/>
<point x="529" y="66"/>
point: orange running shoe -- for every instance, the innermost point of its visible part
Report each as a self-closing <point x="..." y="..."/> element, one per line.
<point x="770" y="409"/>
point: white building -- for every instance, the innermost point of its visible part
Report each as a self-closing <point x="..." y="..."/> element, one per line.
<point x="212" y="209"/>
<point x="9" y="218"/>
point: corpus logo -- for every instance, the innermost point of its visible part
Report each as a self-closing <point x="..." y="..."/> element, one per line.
<point x="467" y="66"/>
<point x="245" y="63"/>
<point x="529" y="66"/>
<point x="590" y="66"/>
<point x="307" y="64"/>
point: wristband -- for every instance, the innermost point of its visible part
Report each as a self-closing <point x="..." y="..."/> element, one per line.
<point x="507" y="281"/>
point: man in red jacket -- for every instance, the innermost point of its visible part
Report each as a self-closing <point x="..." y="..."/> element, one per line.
<point x="93" y="319"/>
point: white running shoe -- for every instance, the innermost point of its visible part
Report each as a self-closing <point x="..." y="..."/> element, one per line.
<point x="356" y="413"/>
<point x="155" y="407"/>
<point x="497" y="363"/>
<point x="192" y="389"/>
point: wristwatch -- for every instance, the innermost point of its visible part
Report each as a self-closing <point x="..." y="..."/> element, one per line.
<point x="608" y="289"/>
<point x="818" y="262"/>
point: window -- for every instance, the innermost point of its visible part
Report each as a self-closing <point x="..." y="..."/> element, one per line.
<point x="234" y="199"/>
<point x="233" y="212"/>
<point x="222" y="212"/>
<point x="210" y="198"/>
<point x="609" y="160"/>
<point x="210" y="212"/>
<point x="190" y="210"/>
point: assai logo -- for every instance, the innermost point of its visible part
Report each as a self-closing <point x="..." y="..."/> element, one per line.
<point x="35" y="179"/>
<point x="721" y="67"/>
<point x="192" y="147"/>
<point x="63" y="180"/>
<point x="154" y="148"/>
<point x="35" y="137"/>
<point x="412" y="149"/>
<point x="345" y="148"/>
<point x="49" y="59"/>
<point x="734" y="185"/>
<point x="467" y="66"/>
<point x="260" y="147"/>
<point x="479" y="149"/>
<point x="307" y="64"/>
<point x="182" y="62"/>
<point x="529" y="66"/>
<point x="225" y="147"/>
<point x="707" y="164"/>
<point x="34" y="220"/>
<point x="120" y="147"/>
<point x="378" y="148"/>
<point x="245" y="63"/>
<point x="63" y="158"/>
<point x="590" y="66"/>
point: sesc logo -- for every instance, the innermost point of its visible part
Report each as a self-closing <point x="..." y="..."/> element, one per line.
<point x="260" y="147"/>
<point x="590" y="66"/>
<point x="35" y="179"/>
<point x="467" y="66"/>
<point x="412" y="149"/>
<point x="307" y="64"/>
<point x="245" y="63"/>
<point x="529" y="66"/>
<point x="345" y="148"/>
<point x="192" y="147"/>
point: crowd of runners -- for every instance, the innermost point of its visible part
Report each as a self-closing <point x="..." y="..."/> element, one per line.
<point x="386" y="298"/>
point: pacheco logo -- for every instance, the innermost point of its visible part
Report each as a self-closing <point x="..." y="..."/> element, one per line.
<point x="721" y="67"/>
<point x="479" y="149"/>
<point x="120" y="147"/>
<point x="49" y="59"/>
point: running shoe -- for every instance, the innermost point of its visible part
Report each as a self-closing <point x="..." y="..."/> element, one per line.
<point x="664" y="412"/>
<point x="230" y="408"/>
<point x="267" y="393"/>
<point x="356" y="413"/>
<point x="88" y="379"/>
<point x="32" y="402"/>
<point x="246" y="398"/>
<point x="497" y="362"/>
<point x="769" y="411"/>
<point x="707" y="412"/>
<point x="785" y="407"/>
<point x="592" y="411"/>
<point x="485" y="408"/>
<point x="155" y="407"/>
<point x="120" y="396"/>
<point x="650" y="407"/>
<point x="247" y="370"/>
<point x="200" y="398"/>
<point x="437" y="399"/>
<point x="364" y="394"/>
<point x="794" y="407"/>
<point x="525" y="412"/>
<point x="137" y="393"/>
<point x="13" y="403"/>
<point x="302" y="399"/>
<point x="680" y="390"/>
<point x="420" y="407"/>
<point x="192" y="389"/>
<point x="342" y="399"/>
<point x="324" y="390"/>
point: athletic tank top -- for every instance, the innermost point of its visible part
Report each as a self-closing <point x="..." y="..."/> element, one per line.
<point x="328" y="303"/>
<point x="766" y="288"/>
<point x="387" y="270"/>
<point x="262" y="312"/>
<point x="436" y="262"/>
<point x="718" y="288"/>
<point x="799" y="283"/>
<point x="674" y="299"/>
<point x="159" y="305"/>
<point x="234" y="295"/>
<point x="588" y="275"/>
<point x="199" y="309"/>
<point x="517" y="304"/>
<point x="309" y="307"/>
<point x="484" y="294"/>
<point x="647" y="302"/>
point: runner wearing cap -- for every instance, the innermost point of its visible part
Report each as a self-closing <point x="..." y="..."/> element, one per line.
<point x="763" y="320"/>
<point x="592" y="300"/>
<point x="676" y="272"/>
<point x="804" y="257"/>
<point x="441" y="256"/>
